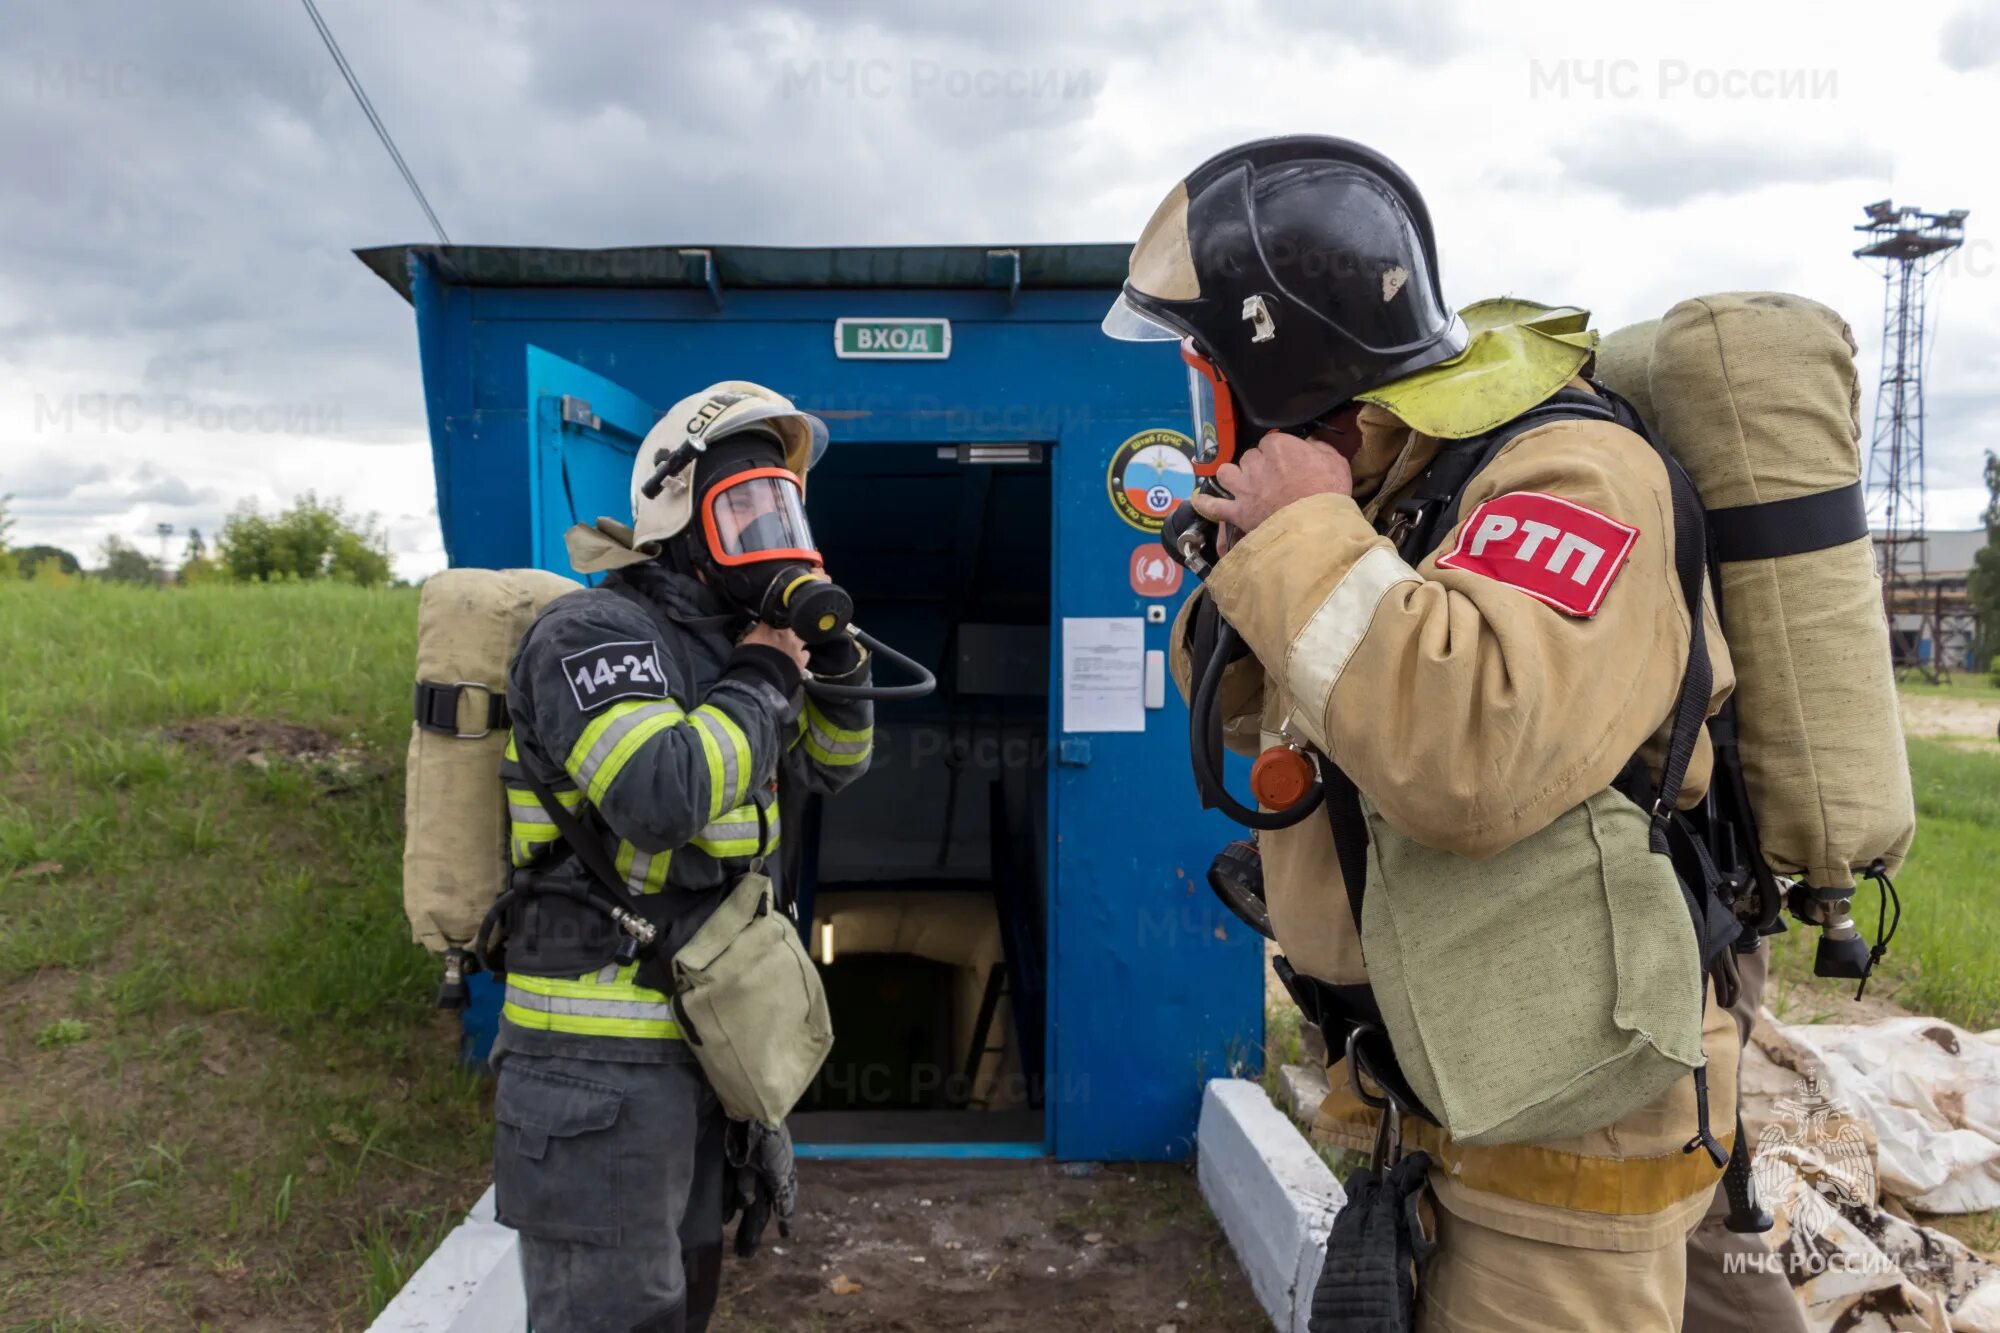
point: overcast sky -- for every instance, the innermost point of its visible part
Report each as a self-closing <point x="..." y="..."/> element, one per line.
<point x="182" y="325"/>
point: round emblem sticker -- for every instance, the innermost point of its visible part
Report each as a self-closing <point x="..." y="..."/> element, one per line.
<point x="1150" y="474"/>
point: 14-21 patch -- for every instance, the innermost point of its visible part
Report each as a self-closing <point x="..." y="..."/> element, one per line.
<point x="628" y="669"/>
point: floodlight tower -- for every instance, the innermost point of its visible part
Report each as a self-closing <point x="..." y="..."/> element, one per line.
<point x="1911" y="244"/>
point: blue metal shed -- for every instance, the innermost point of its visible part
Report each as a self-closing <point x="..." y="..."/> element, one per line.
<point x="997" y="471"/>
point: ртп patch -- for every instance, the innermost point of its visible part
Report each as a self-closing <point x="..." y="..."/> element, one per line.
<point x="628" y="669"/>
<point x="1554" y="550"/>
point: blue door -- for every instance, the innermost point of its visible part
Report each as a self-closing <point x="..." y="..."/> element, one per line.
<point x="583" y="432"/>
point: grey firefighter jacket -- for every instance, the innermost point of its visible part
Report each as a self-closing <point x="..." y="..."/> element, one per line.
<point x="634" y="704"/>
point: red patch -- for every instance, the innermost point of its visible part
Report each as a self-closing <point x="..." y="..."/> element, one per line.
<point x="1554" y="550"/>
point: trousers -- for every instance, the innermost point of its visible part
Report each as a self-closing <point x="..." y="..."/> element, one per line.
<point x="612" y="1173"/>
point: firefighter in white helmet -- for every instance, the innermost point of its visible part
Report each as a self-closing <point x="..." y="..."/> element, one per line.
<point x="662" y="712"/>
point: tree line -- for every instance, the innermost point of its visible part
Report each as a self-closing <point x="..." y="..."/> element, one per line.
<point x="312" y="540"/>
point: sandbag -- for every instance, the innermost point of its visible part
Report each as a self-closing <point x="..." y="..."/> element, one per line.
<point x="469" y="622"/>
<point x="1757" y="395"/>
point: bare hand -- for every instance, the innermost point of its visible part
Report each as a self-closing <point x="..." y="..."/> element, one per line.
<point x="783" y="640"/>
<point x="1281" y="469"/>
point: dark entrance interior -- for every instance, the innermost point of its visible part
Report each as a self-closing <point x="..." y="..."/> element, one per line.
<point x="923" y="883"/>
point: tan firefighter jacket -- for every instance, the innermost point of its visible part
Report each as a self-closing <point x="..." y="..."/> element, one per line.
<point x="1471" y="711"/>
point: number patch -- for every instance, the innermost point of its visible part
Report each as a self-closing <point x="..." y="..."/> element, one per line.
<point x="628" y="670"/>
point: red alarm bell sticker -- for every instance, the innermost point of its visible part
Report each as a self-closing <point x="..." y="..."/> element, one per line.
<point x="1554" y="550"/>
<point x="1154" y="574"/>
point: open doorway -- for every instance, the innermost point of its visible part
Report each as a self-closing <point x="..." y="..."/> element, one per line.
<point x="922" y="887"/>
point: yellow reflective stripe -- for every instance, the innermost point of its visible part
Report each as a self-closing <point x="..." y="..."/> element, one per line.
<point x="567" y="797"/>
<point x="837" y="747"/>
<point x="587" y="1025"/>
<point x="643" y="872"/>
<point x="612" y="738"/>
<point x="728" y="752"/>
<point x="721" y="847"/>
<point x="512" y="754"/>
<point x="735" y="834"/>
<point x="655" y="877"/>
<point x="824" y="727"/>
<point x="529" y="824"/>
<point x="588" y="987"/>
<point x="825" y="756"/>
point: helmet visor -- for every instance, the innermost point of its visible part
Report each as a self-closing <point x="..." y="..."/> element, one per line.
<point x="1129" y="324"/>
<point x="758" y="515"/>
<point x="1214" y="412"/>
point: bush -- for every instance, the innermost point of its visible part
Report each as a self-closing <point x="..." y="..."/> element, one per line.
<point x="125" y="563"/>
<point x="312" y="540"/>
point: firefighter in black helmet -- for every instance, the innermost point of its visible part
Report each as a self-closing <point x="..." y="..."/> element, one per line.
<point x="1322" y="240"/>
<point x="1457" y="705"/>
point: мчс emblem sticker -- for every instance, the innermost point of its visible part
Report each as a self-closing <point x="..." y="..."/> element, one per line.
<point x="624" y="670"/>
<point x="1150" y="474"/>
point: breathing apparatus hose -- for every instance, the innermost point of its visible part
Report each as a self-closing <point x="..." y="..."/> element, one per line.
<point x="1205" y="745"/>
<point x="924" y="683"/>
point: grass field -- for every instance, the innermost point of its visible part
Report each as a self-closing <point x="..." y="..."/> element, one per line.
<point x="1962" y="686"/>
<point x="224" y="1099"/>
<point x="1945" y="959"/>
<point x="227" y="1101"/>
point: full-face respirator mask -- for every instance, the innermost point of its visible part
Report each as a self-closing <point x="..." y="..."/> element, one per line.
<point x="722" y="477"/>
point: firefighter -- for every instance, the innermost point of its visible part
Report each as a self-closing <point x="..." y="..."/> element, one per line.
<point x="1471" y="696"/>
<point x="659" y="710"/>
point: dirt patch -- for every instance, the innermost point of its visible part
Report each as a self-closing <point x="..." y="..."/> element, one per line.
<point x="259" y="743"/>
<point x="1013" y="1247"/>
<point x="255" y="741"/>
<point x="1823" y="1000"/>
<point x="1944" y="715"/>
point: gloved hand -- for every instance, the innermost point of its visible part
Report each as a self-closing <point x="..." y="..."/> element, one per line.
<point x="838" y="657"/>
<point x="762" y="1182"/>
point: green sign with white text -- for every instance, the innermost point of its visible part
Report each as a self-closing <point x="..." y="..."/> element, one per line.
<point x="892" y="339"/>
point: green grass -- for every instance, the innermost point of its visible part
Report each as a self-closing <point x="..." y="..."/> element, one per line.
<point x="1962" y="685"/>
<point x="224" y="1097"/>
<point x="1945" y="959"/>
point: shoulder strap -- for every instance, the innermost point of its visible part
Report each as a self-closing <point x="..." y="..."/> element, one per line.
<point x="1691" y="709"/>
<point x="1423" y="517"/>
<point x="622" y="907"/>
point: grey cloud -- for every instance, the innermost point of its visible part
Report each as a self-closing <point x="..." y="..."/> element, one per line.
<point x="152" y="486"/>
<point x="50" y="485"/>
<point x="1970" y="38"/>
<point x="1421" y="31"/>
<point x="48" y="477"/>
<point x="1652" y="165"/>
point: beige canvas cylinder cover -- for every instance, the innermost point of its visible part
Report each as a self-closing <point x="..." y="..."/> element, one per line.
<point x="1756" y="393"/>
<point x="469" y="621"/>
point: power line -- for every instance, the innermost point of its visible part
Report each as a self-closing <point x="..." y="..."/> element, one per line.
<point x="368" y="110"/>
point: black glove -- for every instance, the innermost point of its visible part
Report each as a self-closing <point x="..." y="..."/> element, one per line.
<point x="839" y="656"/>
<point x="762" y="1181"/>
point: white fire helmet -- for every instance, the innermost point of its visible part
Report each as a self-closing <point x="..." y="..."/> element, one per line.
<point x="714" y="414"/>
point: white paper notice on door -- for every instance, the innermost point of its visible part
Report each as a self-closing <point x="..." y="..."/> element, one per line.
<point x="1104" y="673"/>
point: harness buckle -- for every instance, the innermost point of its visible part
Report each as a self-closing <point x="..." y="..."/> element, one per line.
<point x="437" y="708"/>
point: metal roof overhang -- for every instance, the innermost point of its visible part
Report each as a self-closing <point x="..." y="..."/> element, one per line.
<point x="739" y="267"/>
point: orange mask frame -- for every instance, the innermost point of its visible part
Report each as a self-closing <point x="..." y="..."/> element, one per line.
<point x="1203" y="374"/>
<point x="712" y="532"/>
